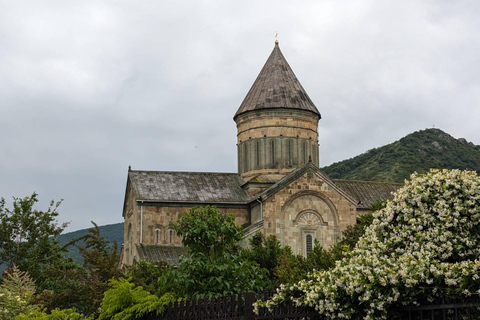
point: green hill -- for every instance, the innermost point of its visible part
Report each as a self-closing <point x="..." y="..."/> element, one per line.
<point x="418" y="151"/>
<point x="111" y="233"/>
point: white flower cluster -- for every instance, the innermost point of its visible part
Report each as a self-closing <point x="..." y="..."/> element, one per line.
<point x="425" y="244"/>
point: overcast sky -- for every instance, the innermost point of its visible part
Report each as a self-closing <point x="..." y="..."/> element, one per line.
<point x="88" y="88"/>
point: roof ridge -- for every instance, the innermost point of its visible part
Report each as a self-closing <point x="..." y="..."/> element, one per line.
<point x="195" y="172"/>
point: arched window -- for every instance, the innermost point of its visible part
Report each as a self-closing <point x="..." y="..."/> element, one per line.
<point x="170" y="233"/>
<point x="308" y="243"/>
<point x="157" y="236"/>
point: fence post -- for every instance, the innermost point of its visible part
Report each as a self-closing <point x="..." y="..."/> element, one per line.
<point x="249" y="300"/>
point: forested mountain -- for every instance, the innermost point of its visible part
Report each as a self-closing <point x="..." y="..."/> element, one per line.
<point x="418" y="151"/>
<point x="111" y="233"/>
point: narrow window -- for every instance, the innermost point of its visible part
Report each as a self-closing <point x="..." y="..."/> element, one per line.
<point x="273" y="152"/>
<point x="171" y="236"/>
<point x="258" y="154"/>
<point x="289" y="152"/>
<point x="246" y="157"/>
<point x="308" y="243"/>
<point x="157" y="236"/>
<point x="304" y="152"/>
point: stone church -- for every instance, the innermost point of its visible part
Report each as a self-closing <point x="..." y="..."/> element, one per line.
<point x="278" y="190"/>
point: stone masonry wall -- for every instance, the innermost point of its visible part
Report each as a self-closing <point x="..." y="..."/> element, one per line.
<point x="307" y="206"/>
<point x="275" y="142"/>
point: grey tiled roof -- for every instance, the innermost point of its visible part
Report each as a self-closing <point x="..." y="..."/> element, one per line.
<point x="276" y="87"/>
<point x="157" y="253"/>
<point x="368" y="192"/>
<point x="208" y="187"/>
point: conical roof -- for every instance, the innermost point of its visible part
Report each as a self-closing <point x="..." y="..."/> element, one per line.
<point x="276" y="87"/>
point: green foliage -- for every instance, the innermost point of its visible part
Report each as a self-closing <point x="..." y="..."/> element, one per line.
<point x="100" y="258"/>
<point x="266" y="252"/>
<point x="319" y="258"/>
<point x="214" y="266"/>
<point x="64" y="287"/>
<point x="228" y="274"/>
<point x="56" y="314"/>
<point x="146" y="274"/>
<point x="417" y="152"/>
<point x="290" y="267"/>
<point x="293" y="268"/>
<point x="68" y="285"/>
<point x="205" y="231"/>
<point x="284" y="267"/>
<point x="28" y="236"/>
<point x="125" y="301"/>
<point x="16" y="294"/>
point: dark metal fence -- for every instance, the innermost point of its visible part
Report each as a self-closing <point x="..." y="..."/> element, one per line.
<point x="240" y="307"/>
<point x="235" y="307"/>
<point x="447" y="309"/>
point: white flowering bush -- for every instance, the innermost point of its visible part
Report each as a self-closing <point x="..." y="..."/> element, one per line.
<point x="424" y="245"/>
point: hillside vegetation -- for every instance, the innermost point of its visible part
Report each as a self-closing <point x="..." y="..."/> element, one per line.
<point x="418" y="151"/>
<point x="111" y="232"/>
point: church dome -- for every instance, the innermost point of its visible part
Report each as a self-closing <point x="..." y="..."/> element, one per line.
<point x="276" y="87"/>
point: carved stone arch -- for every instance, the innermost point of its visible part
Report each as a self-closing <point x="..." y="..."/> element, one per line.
<point x="309" y="217"/>
<point x="314" y="194"/>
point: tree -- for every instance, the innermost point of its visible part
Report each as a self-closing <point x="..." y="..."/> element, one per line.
<point x="214" y="266"/>
<point x="290" y="267"/>
<point x="28" y="236"/>
<point x="68" y="285"/>
<point x="267" y="252"/>
<point x="146" y="274"/>
<point x="205" y="231"/>
<point x="422" y="247"/>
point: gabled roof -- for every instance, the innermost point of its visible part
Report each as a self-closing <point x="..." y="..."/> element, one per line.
<point x="368" y="192"/>
<point x="276" y="87"/>
<point x="206" y="187"/>
<point x="294" y="175"/>
<point x="157" y="253"/>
